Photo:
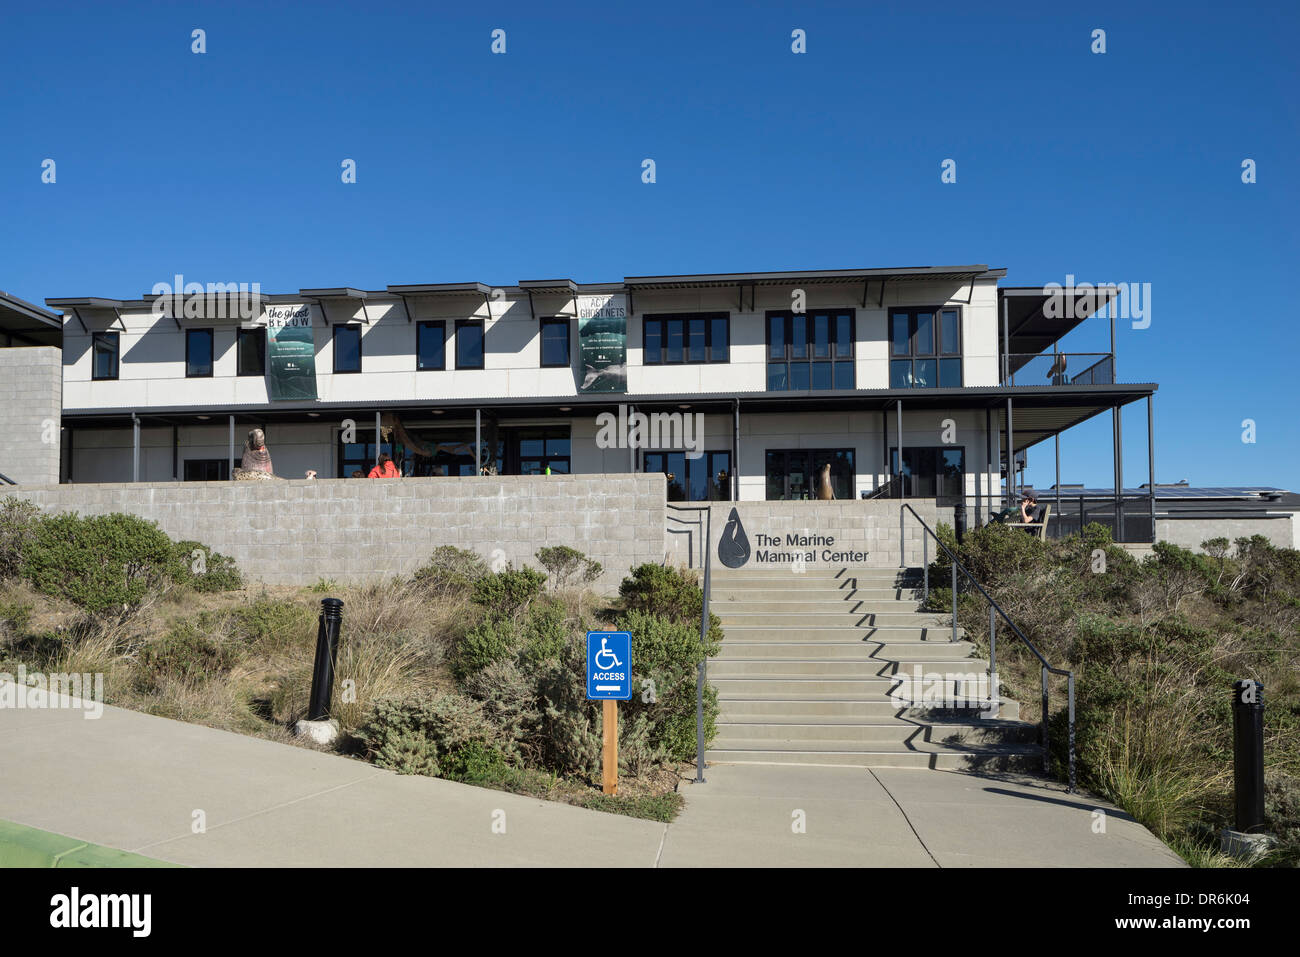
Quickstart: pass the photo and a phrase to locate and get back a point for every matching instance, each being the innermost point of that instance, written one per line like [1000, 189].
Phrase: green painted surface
[22, 846]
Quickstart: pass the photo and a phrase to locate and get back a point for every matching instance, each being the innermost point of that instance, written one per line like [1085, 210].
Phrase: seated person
[1031, 513]
[386, 468]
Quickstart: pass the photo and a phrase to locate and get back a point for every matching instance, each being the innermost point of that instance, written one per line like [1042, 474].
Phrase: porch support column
[478, 437]
[898, 411]
[135, 447]
[378, 438]
[884, 438]
[631, 446]
[1057, 437]
[175, 453]
[231, 472]
[1119, 472]
[1151, 468]
[1011, 454]
[735, 451]
[1006, 343]
[988, 461]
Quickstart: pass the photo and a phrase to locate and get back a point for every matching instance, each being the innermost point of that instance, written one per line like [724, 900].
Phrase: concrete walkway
[138, 783]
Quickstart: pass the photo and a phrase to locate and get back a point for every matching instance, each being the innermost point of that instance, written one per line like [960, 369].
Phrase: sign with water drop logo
[733, 546]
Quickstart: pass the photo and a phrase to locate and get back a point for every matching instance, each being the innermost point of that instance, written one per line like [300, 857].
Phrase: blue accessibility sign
[609, 666]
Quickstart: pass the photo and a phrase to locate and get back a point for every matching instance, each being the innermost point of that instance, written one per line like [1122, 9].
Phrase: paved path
[136, 782]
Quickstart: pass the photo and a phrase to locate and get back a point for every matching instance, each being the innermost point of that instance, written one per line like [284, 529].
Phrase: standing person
[256, 457]
[385, 468]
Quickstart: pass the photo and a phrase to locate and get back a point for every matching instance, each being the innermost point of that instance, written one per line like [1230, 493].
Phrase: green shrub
[998, 555]
[100, 562]
[475, 763]
[15, 616]
[417, 735]
[272, 625]
[510, 591]
[16, 520]
[451, 569]
[495, 638]
[565, 564]
[202, 569]
[653, 807]
[186, 653]
[671, 592]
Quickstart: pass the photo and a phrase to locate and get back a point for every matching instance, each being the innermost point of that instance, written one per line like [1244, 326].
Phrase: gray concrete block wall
[1190, 531]
[31, 408]
[353, 530]
[856, 525]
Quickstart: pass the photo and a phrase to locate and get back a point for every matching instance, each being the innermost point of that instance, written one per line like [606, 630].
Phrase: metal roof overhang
[814, 277]
[441, 289]
[29, 324]
[1030, 330]
[1039, 411]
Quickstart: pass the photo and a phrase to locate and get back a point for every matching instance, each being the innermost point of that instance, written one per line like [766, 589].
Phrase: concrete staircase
[840, 667]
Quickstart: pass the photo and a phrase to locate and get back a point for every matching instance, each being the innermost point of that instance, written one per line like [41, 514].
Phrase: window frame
[334, 347]
[430, 324]
[809, 357]
[212, 353]
[467, 323]
[222, 467]
[661, 319]
[937, 353]
[95, 338]
[553, 321]
[240, 336]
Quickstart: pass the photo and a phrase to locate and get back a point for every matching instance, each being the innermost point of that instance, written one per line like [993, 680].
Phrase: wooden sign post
[609, 753]
[609, 681]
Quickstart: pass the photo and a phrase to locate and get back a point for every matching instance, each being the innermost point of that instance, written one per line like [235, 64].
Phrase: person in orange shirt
[385, 468]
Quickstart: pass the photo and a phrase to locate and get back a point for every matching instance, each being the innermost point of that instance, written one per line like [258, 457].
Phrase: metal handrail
[994, 610]
[705, 524]
[6, 479]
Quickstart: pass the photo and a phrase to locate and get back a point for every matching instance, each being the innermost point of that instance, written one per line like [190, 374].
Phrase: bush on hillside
[568, 565]
[198, 567]
[421, 735]
[16, 520]
[451, 570]
[673, 593]
[100, 562]
[508, 592]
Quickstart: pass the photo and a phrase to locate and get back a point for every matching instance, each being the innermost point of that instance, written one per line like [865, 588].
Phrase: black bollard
[1248, 754]
[327, 654]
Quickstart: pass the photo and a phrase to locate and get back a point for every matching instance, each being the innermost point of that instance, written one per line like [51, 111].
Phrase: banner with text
[290, 352]
[602, 343]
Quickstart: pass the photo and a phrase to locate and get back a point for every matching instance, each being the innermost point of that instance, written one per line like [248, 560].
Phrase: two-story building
[914, 381]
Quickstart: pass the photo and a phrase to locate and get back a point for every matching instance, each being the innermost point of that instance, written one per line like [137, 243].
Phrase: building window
[938, 472]
[704, 479]
[360, 456]
[207, 470]
[251, 349]
[469, 343]
[347, 349]
[925, 348]
[104, 352]
[692, 338]
[555, 342]
[793, 473]
[812, 351]
[431, 345]
[198, 353]
[543, 449]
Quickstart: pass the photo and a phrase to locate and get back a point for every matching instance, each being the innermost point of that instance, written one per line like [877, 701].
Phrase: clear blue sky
[1120, 167]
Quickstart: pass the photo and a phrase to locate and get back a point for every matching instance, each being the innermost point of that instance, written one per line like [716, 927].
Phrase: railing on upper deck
[1061, 368]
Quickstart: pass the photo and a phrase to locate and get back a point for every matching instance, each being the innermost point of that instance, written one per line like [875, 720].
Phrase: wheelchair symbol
[607, 654]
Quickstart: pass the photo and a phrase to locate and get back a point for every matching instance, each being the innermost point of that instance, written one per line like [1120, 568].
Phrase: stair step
[789, 734]
[826, 710]
[941, 634]
[721, 669]
[858, 619]
[720, 573]
[844, 650]
[1022, 758]
[738, 593]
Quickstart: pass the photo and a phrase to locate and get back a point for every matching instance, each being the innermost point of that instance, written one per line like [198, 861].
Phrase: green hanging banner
[602, 343]
[290, 353]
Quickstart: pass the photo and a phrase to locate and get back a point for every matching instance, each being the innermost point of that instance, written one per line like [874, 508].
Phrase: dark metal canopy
[813, 276]
[28, 324]
[1030, 331]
